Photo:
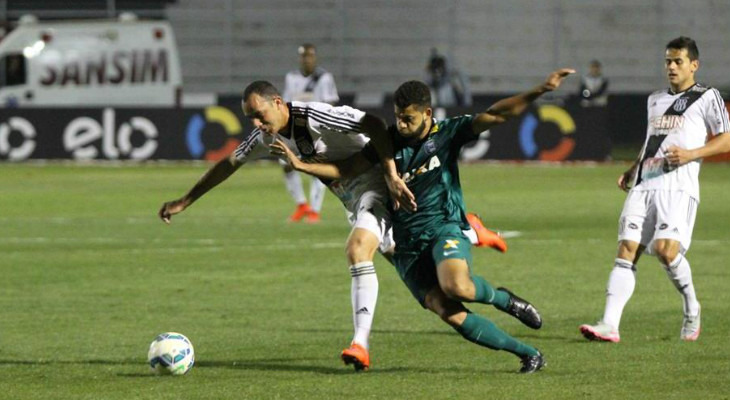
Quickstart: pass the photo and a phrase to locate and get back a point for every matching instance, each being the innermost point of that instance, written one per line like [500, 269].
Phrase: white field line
[294, 244]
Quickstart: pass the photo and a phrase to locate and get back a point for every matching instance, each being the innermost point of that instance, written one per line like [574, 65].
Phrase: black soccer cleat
[532, 364]
[522, 310]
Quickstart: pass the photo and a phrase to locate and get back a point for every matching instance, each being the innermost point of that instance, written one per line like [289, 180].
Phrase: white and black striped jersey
[685, 120]
[321, 132]
[318, 86]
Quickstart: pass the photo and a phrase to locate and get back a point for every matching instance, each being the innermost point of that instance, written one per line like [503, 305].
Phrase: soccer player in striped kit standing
[663, 188]
[308, 83]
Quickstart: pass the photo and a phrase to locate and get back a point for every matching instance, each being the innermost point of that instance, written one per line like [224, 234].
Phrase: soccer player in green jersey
[432, 255]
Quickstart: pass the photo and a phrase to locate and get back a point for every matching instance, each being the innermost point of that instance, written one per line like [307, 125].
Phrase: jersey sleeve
[342, 119]
[463, 130]
[252, 148]
[716, 115]
[329, 89]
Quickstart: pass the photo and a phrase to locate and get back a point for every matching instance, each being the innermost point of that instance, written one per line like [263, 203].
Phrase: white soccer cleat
[690, 327]
[600, 331]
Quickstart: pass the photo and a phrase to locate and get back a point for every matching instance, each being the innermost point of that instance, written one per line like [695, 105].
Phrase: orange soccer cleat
[301, 211]
[356, 355]
[486, 237]
[312, 217]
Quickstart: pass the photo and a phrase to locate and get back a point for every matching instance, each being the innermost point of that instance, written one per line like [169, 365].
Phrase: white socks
[294, 186]
[317, 190]
[364, 293]
[680, 274]
[621, 283]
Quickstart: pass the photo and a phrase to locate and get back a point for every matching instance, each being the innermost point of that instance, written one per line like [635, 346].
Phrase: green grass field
[90, 276]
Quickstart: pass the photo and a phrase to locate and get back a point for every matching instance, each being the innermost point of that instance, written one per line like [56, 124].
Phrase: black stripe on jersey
[328, 119]
[334, 126]
[334, 118]
[336, 123]
[722, 110]
[248, 144]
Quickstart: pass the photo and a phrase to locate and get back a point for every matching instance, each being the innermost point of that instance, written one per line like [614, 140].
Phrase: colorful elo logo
[194, 133]
[556, 115]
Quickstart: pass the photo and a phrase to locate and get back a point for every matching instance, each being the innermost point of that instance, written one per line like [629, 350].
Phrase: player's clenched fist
[171, 208]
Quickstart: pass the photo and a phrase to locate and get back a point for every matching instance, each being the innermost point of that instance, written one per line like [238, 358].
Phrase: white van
[90, 63]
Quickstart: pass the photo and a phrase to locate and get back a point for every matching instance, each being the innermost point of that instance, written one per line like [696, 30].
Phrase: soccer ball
[171, 353]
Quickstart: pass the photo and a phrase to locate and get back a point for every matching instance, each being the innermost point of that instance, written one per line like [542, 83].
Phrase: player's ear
[695, 64]
[428, 111]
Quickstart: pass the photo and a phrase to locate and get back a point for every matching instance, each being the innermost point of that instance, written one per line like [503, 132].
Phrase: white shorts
[371, 213]
[658, 214]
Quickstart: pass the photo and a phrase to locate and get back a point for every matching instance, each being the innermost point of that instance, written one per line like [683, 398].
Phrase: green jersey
[429, 168]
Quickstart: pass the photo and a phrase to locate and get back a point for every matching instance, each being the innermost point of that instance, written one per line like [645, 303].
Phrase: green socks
[486, 294]
[485, 333]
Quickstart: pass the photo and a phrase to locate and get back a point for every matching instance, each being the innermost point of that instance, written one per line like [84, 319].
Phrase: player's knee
[359, 251]
[665, 251]
[628, 250]
[459, 290]
[445, 309]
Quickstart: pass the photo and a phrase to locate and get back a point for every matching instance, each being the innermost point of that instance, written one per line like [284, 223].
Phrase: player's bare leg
[361, 247]
[480, 330]
[620, 287]
[679, 272]
[459, 284]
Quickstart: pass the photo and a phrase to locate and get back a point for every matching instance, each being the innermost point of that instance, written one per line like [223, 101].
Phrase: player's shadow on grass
[140, 363]
[72, 362]
[308, 365]
[446, 332]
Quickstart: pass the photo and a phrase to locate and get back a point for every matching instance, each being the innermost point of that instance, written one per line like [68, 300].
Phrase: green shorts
[416, 263]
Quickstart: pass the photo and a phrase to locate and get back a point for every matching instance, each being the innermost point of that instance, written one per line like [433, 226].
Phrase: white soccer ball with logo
[171, 353]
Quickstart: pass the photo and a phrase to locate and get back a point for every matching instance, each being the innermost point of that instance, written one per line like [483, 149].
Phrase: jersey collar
[669, 90]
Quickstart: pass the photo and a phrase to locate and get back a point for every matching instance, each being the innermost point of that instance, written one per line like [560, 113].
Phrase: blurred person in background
[593, 87]
[308, 83]
[449, 88]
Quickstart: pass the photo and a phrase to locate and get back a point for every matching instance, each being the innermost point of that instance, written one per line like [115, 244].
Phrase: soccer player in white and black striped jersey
[320, 131]
[663, 188]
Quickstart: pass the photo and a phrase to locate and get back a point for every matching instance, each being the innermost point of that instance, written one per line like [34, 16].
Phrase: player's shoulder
[292, 76]
[708, 92]
[454, 122]
[657, 94]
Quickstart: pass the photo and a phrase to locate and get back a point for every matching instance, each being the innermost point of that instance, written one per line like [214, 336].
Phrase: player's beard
[419, 132]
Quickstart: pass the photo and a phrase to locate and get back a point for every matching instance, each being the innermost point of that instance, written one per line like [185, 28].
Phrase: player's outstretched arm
[215, 175]
[677, 156]
[349, 167]
[513, 106]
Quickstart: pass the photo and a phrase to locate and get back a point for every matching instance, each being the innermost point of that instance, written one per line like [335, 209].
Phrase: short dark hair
[684, 42]
[262, 88]
[414, 93]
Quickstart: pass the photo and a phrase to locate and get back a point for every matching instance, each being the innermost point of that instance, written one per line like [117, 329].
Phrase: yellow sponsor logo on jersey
[451, 244]
[430, 165]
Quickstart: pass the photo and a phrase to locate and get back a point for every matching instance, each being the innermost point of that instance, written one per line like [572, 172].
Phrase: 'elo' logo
[82, 132]
[25, 129]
